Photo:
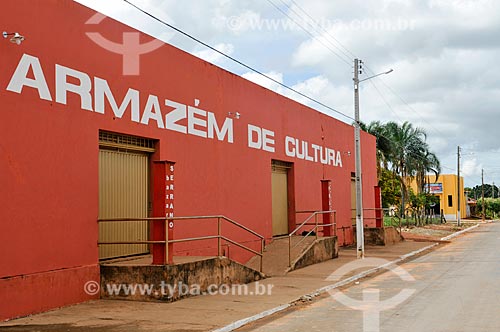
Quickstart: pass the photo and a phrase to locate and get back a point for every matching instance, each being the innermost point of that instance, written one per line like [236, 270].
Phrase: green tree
[403, 150]
[489, 190]
[384, 145]
[390, 188]
[419, 204]
[492, 206]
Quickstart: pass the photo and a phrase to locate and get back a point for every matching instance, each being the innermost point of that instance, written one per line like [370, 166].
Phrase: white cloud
[471, 167]
[318, 88]
[445, 61]
[215, 57]
[310, 53]
[265, 82]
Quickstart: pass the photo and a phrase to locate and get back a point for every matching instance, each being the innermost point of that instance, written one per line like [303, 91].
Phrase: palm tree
[428, 163]
[403, 150]
[384, 145]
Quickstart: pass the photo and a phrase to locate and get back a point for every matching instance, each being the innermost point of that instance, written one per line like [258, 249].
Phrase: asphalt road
[454, 289]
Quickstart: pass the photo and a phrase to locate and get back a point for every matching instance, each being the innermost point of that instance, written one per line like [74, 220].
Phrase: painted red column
[378, 207]
[326, 205]
[163, 206]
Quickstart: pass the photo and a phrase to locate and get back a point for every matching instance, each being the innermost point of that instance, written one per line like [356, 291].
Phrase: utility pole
[493, 196]
[482, 191]
[360, 241]
[360, 236]
[458, 186]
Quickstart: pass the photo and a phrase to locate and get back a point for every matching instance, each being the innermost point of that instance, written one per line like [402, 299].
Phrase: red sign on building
[163, 207]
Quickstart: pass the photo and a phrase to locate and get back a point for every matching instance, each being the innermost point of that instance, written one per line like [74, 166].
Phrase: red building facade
[60, 89]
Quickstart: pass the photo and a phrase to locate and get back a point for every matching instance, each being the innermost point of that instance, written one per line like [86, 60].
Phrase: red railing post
[335, 223]
[378, 208]
[219, 249]
[163, 207]
[316, 225]
[261, 254]
[326, 205]
[166, 243]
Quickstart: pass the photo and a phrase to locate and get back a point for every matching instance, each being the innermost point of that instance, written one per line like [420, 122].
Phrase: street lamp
[16, 37]
[360, 238]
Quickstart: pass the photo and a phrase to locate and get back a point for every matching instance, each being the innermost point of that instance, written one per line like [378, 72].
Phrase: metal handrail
[315, 228]
[185, 218]
[371, 209]
[168, 241]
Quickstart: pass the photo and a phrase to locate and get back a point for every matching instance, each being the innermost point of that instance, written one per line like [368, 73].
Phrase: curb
[242, 322]
[451, 236]
[369, 272]
[239, 323]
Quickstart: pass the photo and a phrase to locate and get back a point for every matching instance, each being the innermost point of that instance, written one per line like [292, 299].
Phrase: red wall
[49, 151]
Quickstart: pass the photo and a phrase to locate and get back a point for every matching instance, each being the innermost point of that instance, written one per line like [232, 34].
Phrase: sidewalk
[200, 313]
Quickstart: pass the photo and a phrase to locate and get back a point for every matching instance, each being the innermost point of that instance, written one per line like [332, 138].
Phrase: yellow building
[446, 189]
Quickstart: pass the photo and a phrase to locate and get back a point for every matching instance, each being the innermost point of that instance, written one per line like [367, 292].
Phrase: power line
[249, 67]
[454, 170]
[307, 31]
[352, 54]
[382, 97]
[324, 30]
[312, 19]
[347, 53]
[405, 102]
[385, 100]
[451, 169]
[237, 61]
[317, 38]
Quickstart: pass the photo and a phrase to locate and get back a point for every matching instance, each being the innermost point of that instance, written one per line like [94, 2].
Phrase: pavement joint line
[451, 236]
[242, 322]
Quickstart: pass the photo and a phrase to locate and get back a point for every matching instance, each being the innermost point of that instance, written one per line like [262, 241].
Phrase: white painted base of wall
[451, 217]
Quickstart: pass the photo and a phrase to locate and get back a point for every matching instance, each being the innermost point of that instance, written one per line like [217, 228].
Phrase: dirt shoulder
[433, 233]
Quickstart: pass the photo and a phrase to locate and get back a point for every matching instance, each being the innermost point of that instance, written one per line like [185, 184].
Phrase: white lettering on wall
[227, 128]
[20, 77]
[101, 90]
[174, 116]
[82, 89]
[193, 120]
[177, 114]
[152, 111]
[300, 149]
[199, 122]
[260, 138]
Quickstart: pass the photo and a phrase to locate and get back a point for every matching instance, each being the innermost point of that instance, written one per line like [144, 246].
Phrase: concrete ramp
[144, 282]
[308, 251]
[321, 250]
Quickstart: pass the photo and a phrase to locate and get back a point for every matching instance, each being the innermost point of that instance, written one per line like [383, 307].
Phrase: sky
[443, 53]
